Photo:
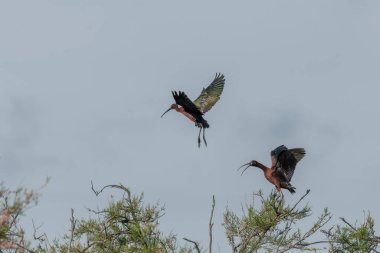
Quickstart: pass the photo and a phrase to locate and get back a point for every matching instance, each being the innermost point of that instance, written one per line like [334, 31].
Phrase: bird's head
[173, 106]
[251, 163]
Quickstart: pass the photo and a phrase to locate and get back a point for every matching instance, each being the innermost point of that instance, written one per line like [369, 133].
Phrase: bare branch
[323, 220]
[211, 224]
[42, 238]
[120, 186]
[39, 238]
[89, 245]
[295, 205]
[73, 222]
[195, 244]
[348, 224]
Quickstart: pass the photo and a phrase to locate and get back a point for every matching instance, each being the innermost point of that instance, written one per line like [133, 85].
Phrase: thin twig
[42, 238]
[307, 192]
[109, 186]
[195, 244]
[323, 220]
[39, 238]
[211, 224]
[352, 227]
[235, 248]
[73, 222]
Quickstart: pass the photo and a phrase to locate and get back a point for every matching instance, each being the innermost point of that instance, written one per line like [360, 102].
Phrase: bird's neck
[179, 109]
[261, 166]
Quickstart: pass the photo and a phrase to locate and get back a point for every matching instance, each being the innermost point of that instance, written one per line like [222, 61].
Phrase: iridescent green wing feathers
[211, 94]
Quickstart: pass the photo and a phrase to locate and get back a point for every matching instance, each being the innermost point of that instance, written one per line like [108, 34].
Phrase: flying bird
[196, 109]
[284, 163]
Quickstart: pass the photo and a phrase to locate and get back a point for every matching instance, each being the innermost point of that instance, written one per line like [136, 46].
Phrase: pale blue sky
[83, 85]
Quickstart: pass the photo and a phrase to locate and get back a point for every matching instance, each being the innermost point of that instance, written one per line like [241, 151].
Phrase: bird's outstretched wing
[275, 153]
[209, 96]
[189, 107]
[287, 161]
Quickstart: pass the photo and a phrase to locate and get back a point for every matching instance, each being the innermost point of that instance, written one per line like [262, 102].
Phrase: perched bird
[195, 110]
[284, 163]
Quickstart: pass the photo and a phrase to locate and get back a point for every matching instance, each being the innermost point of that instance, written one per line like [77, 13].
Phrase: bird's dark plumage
[182, 99]
[195, 110]
[277, 151]
[189, 107]
[286, 161]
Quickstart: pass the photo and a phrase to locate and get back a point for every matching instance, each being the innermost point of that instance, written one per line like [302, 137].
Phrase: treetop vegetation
[128, 224]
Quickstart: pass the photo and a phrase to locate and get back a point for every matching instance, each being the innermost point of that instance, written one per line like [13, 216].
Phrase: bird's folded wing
[209, 96]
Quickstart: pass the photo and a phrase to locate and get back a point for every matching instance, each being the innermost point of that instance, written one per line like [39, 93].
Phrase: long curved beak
[247, 164]
[166, 112]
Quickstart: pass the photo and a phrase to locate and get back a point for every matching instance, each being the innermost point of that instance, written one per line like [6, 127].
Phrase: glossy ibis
[284, 163]
[195, 110]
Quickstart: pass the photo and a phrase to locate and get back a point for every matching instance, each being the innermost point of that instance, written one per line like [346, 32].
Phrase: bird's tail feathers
[291, 189]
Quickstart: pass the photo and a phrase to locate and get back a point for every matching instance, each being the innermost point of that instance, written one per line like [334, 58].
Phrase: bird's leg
[204, 138]
[278, 189]
[278, 195]
[199, 137]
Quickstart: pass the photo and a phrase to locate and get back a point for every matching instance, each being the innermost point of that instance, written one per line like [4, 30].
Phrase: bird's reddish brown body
[194, 110]
[268, 174]
[284, 163]
[182, 110]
